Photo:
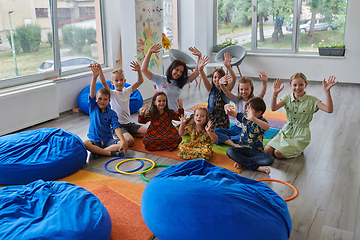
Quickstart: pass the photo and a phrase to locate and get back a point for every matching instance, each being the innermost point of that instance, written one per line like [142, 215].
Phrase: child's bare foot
[236, 165]
[263, 169]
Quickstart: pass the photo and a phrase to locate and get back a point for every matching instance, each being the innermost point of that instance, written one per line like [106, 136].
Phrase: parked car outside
[320, 25]
[289, 25]
[67, 63]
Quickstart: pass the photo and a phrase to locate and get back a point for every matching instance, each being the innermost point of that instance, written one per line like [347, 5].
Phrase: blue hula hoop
[141, 161]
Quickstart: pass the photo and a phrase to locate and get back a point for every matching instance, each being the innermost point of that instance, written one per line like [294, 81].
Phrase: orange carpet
[217, 159]
[121, 198]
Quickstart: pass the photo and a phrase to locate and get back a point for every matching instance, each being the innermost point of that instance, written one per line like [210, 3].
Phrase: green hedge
[30, 37]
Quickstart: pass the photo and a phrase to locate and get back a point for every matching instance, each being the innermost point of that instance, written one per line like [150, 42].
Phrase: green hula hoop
[145, 170]
[156, 166]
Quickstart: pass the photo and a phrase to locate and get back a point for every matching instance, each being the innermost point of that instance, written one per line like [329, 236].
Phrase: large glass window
[31, 50]
[170, 21]
[281, 25]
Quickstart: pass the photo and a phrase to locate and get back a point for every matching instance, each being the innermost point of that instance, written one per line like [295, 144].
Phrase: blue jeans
[250, 158]
[233, 133]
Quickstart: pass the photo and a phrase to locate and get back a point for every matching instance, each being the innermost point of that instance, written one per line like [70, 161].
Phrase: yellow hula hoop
[130, 159]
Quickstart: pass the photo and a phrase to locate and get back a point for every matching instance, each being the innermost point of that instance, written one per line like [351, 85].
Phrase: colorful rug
[217, 159]
[121, 198]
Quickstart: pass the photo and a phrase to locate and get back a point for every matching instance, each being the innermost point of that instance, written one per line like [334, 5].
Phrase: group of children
[207, 125]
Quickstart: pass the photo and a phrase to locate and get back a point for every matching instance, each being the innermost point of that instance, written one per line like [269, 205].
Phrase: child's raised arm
[277, 89]
[329, 103]
[263, 77]
[136, 68]
[182, 130]
[95, 72]
[224, 80]
[227, 63]
[211, 133]
[195, 52]
[251, 117]
[206, 82]
[102, 77]
[229, 110]
[144, 68]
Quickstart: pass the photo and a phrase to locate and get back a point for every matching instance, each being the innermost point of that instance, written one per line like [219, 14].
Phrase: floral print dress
[198, 146]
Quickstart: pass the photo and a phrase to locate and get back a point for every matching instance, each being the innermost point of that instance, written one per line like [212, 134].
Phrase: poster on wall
[148, 30]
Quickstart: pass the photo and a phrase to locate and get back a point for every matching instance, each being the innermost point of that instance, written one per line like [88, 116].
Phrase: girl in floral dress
[161, 134]
[202, 136]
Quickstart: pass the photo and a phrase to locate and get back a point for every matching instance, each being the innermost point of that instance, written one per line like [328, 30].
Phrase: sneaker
[93, 156]
[117, 154]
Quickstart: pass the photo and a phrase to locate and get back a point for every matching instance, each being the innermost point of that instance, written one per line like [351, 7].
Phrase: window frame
[20, 80]
[295, 31]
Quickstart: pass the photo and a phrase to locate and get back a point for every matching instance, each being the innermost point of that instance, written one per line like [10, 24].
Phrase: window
[41, 12]
[170, 21]
[77, 39]
[281, 25]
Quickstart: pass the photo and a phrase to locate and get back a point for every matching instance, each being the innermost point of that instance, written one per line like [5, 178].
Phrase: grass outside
[28, 63]
[232, 28]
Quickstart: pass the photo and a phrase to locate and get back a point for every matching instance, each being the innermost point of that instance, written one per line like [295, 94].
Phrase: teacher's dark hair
[180, 82]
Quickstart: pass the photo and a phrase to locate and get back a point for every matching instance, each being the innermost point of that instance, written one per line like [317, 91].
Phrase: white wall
[196, 23]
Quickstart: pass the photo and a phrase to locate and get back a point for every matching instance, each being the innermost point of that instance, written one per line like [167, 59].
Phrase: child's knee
[279, 155]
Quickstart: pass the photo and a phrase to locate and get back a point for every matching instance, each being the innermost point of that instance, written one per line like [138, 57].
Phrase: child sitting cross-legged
[202, 136]
[102, 118]
[161, 134]
[250, 151]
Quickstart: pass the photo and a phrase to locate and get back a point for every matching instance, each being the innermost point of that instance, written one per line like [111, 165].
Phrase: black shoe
[117, 154]
[93, 156]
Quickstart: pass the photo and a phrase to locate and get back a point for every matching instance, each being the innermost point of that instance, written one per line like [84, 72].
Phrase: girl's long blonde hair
[246, 80]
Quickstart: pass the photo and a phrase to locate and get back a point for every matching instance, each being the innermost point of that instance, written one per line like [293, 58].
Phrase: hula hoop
[142, 164]
[293, 188]
[126, 160]
[156, 166]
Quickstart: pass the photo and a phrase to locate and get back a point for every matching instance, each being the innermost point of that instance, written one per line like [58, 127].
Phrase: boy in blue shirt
[102, 118]
[250, 150]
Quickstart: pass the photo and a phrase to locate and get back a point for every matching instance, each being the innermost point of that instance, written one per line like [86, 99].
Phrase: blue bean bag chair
[52, 210]
[197, 200]
[48, 154]
[136, 99]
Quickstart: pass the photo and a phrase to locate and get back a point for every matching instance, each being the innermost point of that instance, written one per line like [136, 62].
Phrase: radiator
[27, 105]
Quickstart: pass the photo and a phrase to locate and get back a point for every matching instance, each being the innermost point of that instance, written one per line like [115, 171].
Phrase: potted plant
[331, 50]
[226, 43]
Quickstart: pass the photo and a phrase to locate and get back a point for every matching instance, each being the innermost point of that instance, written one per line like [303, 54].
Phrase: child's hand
[143, 109]
[195, 51]
[263, 76]
[208, 126]
[155, 48]
[123, 146]
[95, 69]
[183, 119]
[331, 82]
[250, 114]
[202, 62]
[229, 110]
[135, 66]
[180, 102]
[227, 60]
[225, 79]
[277, 86]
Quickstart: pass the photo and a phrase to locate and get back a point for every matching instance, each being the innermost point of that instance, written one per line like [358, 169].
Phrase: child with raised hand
[295, 135]
[120, 100]
[102, 118]
[202, 136]
[250, 152]
[175, 79]
[217, 98]
[245, 92]
[161, 134]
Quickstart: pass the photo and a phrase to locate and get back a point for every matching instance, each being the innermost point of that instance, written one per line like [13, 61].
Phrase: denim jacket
[213, 96]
